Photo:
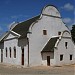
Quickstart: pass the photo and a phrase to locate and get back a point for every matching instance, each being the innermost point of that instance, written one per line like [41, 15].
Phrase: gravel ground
[40, 70]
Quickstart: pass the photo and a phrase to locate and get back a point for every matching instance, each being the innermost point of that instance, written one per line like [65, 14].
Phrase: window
[66, 44]
[59, 33]
[44, 32]
[61, 57]
[10, 51]
[6, 51]
[14, 52]
[70, 57]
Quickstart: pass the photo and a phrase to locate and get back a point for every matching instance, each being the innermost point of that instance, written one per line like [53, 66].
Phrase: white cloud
[14, 17]
[67, 20]
[10, 25]
[68, 7]
[19, 16]
[70, 27]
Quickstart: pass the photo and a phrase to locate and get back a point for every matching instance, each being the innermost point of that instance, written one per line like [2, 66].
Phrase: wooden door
[23, 56]
[48, 60]
[1, 55]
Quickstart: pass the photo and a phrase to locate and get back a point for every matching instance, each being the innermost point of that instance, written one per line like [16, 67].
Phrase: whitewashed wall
[12, 60]
[26, 56]
[61, 49]
[24, 44]
[44, 58]
[11, 41]
[37, 40]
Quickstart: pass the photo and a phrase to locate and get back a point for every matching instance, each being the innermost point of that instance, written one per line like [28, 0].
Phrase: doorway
[23, 56]
[1, 55]
[48, 60]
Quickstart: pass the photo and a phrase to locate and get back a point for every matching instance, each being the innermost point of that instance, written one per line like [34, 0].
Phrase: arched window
[10, 51]
[14, 52]
[6, 51]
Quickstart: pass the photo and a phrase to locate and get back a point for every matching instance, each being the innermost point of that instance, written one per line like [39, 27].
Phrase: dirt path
[40, 70]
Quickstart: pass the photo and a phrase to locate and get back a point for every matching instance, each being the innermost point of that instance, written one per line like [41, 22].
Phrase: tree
[73, 33]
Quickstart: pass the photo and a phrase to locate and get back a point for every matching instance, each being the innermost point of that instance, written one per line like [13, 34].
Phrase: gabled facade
[15, 47]
[42, 40]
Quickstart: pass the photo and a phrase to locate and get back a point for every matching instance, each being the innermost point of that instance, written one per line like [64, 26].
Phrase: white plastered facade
[51, 21]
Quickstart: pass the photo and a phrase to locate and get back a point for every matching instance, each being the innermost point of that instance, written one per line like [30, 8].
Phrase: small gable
[51, 10]
[66, 34]
[11, 35]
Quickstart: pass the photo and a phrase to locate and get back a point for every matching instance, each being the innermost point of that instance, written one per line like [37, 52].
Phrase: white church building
[42, 40]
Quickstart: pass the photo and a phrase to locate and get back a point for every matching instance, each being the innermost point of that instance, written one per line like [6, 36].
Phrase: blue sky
[20, 10]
